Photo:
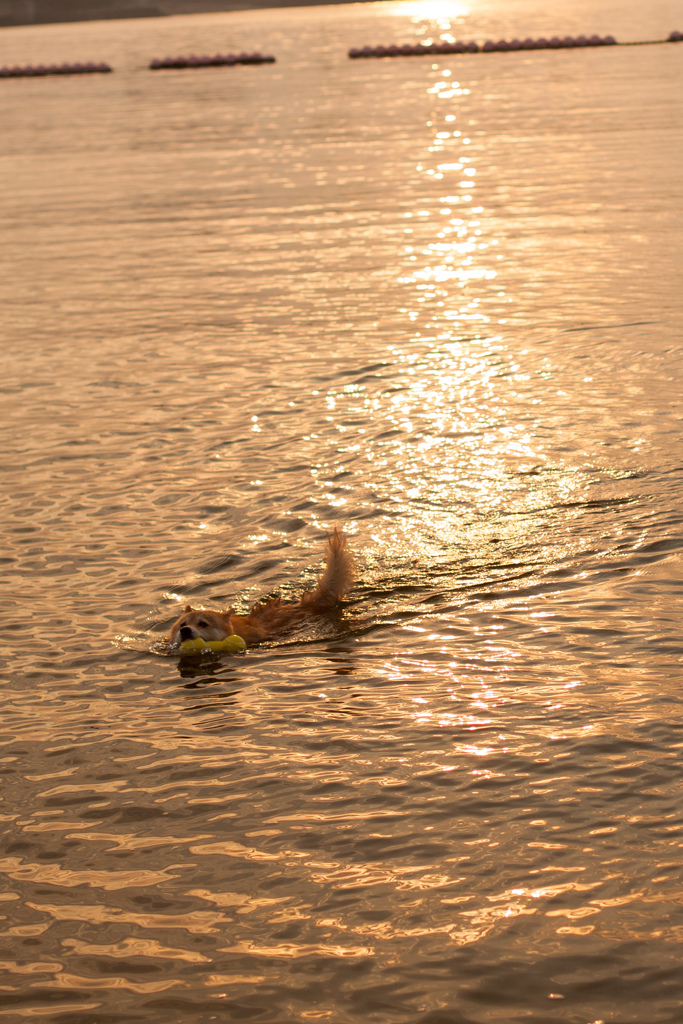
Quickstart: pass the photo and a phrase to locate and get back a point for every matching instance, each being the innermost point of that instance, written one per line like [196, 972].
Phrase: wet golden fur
[271, 617]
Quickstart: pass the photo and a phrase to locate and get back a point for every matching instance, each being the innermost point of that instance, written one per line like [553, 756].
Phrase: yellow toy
[231, 644]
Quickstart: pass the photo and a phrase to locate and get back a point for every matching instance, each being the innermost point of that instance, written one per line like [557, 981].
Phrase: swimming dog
[270, 617]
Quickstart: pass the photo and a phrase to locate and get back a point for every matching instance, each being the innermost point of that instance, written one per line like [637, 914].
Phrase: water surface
[431, 302]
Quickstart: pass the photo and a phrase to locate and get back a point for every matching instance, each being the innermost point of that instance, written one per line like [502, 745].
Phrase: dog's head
[206, 624]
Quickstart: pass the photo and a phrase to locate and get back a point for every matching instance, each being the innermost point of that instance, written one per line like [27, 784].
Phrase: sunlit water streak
[433, 302]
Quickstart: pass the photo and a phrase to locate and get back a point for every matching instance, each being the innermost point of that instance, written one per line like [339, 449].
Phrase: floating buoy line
[41, 70]
[501, 46]
[407, 50]
[217, 61]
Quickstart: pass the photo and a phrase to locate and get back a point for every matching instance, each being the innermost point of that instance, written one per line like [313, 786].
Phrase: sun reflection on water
[430, 10]
[437, 432]
[455, 252]
[454, 433]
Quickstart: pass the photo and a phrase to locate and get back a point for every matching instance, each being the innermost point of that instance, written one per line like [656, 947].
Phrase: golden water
[434, 303]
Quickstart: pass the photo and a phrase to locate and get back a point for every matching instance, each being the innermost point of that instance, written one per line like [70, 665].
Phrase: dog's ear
[188, 608]
[226, 619]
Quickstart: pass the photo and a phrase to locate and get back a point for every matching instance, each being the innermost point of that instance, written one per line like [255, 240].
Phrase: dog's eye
[202, 623]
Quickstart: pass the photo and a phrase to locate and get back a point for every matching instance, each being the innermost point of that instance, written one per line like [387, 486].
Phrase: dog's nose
[186, 633]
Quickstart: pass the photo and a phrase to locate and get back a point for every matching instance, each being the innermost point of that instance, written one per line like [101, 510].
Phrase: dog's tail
[337, 576]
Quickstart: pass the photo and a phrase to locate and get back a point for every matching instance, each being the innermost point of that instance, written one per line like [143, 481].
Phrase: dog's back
[273, 616]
